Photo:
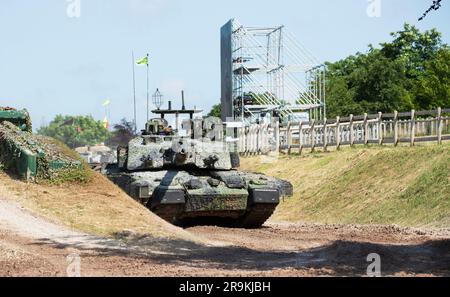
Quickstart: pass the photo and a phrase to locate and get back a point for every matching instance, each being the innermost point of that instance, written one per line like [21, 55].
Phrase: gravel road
[31, 245]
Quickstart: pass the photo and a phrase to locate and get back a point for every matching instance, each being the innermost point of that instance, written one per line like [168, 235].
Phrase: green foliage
[75, 131]
[433, 87]
[75, 169]
[122, 133]
[215, 111]
[411, 71]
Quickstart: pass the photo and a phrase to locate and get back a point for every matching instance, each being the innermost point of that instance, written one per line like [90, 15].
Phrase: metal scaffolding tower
[266, 71]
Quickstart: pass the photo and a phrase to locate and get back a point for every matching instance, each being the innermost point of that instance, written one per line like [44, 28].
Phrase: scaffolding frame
[271, 67]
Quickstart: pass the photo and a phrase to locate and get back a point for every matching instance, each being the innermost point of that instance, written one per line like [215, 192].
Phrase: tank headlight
[144, 192]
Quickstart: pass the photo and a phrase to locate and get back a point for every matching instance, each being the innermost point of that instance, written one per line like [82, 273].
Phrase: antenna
[183, 107]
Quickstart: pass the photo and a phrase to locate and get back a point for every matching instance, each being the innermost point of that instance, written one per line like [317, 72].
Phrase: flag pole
[147, 90]
[134, 92]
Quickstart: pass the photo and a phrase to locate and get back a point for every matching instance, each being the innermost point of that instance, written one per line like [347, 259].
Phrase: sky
[55, 59]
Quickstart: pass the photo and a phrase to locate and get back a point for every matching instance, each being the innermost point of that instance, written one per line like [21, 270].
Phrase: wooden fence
[393, 128]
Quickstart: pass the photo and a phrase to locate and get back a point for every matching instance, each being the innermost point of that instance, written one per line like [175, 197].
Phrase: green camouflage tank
[186, 180]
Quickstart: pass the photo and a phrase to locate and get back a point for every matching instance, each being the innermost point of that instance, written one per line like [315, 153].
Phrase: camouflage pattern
[182, 178]
[156, 152]
[20, 118]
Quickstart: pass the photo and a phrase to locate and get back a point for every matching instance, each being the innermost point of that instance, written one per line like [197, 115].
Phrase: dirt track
[278, 249]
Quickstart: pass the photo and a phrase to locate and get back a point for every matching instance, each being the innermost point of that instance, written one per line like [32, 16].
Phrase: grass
[96, 207]
[77, 170]
[366, 185]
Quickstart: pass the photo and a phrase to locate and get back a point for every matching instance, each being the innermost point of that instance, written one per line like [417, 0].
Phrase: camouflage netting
[20, 118]
[37, 157]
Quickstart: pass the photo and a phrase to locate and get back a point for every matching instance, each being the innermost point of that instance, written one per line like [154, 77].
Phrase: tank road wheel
[167, 203]
[168, 212]
[256, 216]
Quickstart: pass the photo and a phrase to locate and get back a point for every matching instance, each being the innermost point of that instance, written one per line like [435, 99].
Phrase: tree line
[410, 72]
[76, 131]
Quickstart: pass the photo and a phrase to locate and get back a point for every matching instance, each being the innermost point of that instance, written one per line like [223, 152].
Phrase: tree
[411, 71]
[433, 87]
[122, 133]
[76, 131]
[379, 84]
[215, 111]
[341, 100]
[413, 47]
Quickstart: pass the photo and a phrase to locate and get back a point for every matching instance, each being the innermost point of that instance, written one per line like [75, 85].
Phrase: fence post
[352, 138]
[313, 135]
[325, 135]
[300, 138]
[413, 127]
[289, 137]
[277, 136]
[239, 135]
[380, 127]
[255, 140]
[439, 125]
[366, 130]
[258, 139]
[395, 128]
[264, 130]
[249, 140]
[246, 140]
[338, 133]
[261, 138]
[244, 132]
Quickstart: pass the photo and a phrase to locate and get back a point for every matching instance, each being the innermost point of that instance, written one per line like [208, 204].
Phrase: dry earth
[31, 245]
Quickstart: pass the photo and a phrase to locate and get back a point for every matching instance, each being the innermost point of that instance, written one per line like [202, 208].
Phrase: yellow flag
[106, 123]
[143, 61]
[107, 102]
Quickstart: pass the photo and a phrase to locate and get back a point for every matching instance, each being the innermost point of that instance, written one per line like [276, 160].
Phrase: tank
[194, 180]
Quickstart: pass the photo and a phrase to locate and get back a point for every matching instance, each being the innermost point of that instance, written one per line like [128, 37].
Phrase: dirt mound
[97, 207]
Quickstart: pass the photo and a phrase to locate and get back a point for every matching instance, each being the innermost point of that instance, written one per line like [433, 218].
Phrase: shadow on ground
[338, 258]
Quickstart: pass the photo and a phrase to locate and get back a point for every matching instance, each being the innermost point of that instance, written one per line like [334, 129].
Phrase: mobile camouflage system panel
[20, 118]
[31, 156]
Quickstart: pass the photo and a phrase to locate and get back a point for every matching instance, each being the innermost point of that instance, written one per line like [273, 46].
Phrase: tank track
[168, 213]
[256, 216]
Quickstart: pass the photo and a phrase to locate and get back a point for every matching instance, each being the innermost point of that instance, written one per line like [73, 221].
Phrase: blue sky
[52, 64]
